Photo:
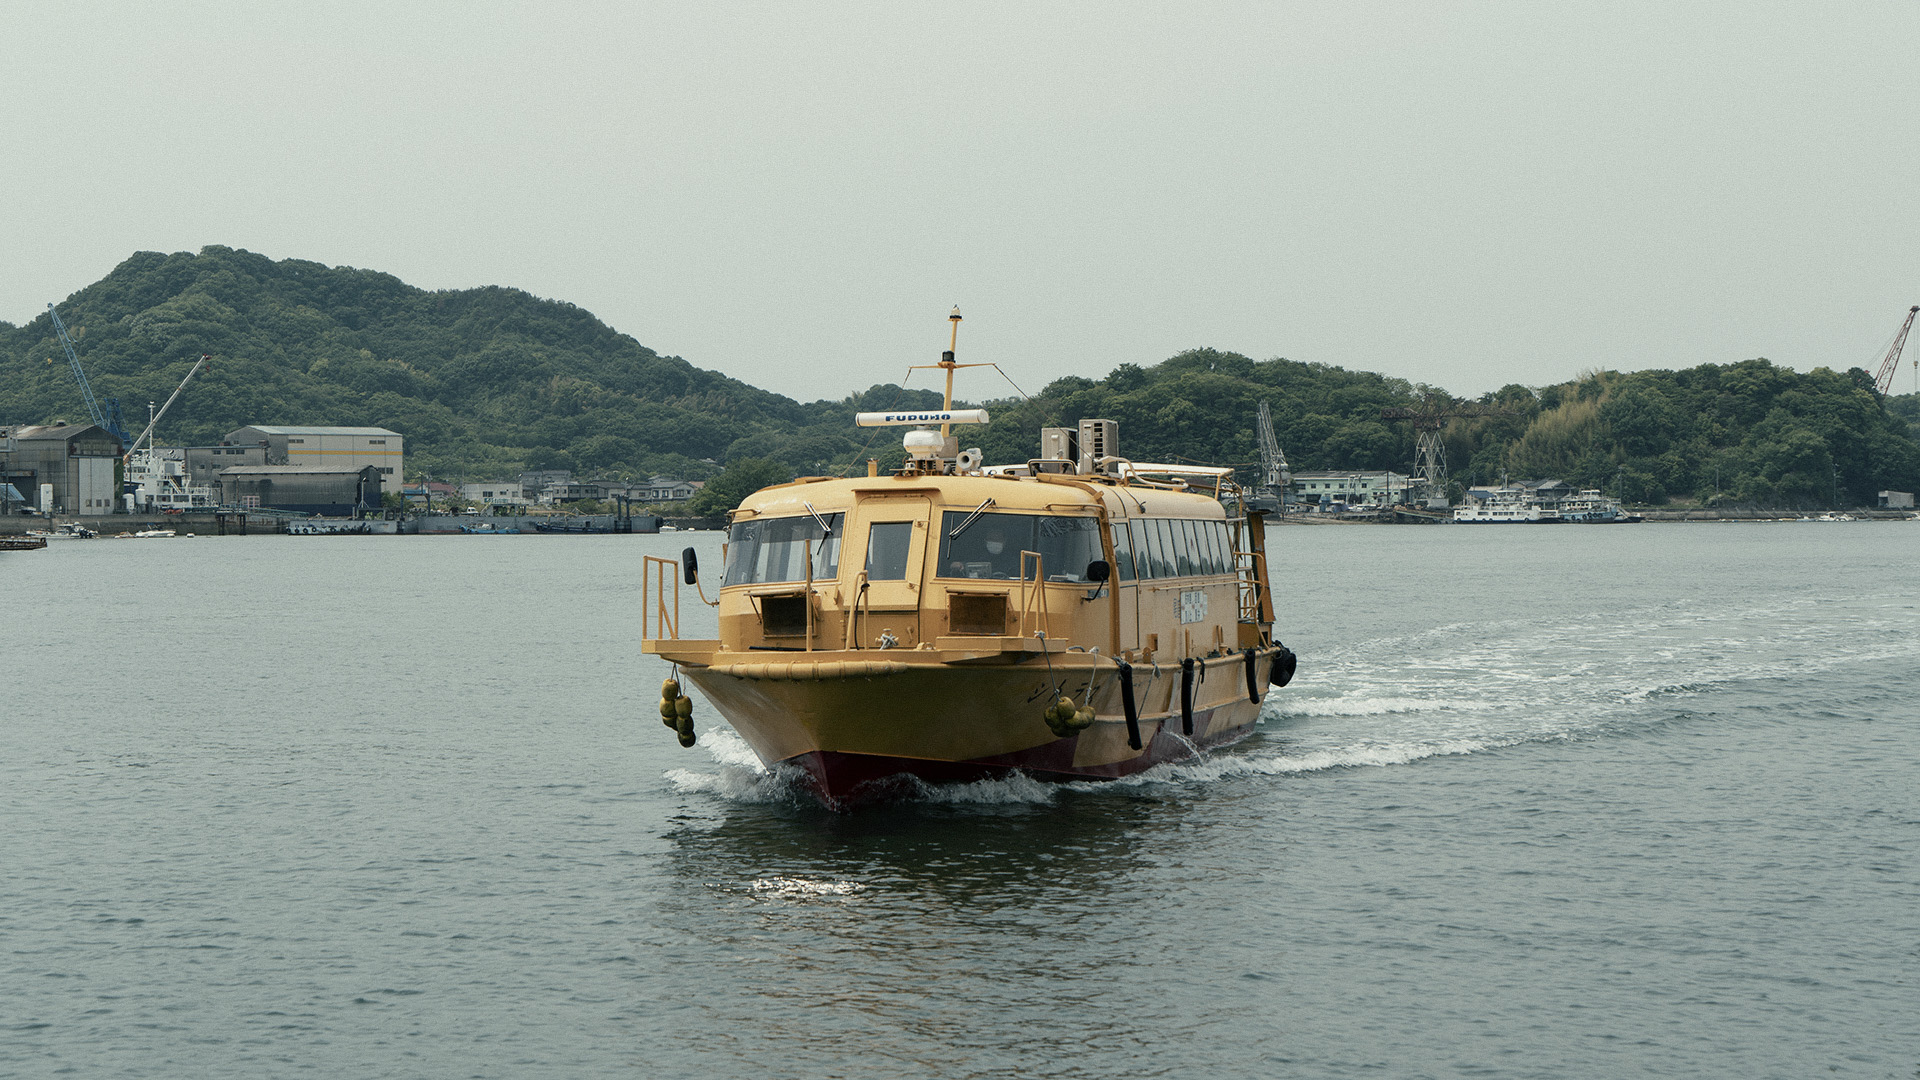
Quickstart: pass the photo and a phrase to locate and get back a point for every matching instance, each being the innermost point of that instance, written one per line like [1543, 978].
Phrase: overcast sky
[1465, 194]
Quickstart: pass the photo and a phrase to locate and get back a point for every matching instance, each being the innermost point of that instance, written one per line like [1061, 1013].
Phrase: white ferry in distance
[1506, 506]
[1545, 503]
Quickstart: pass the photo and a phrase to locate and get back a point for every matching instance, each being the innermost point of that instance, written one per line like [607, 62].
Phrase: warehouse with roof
[60, 468]
[349, 448]
[326, 490]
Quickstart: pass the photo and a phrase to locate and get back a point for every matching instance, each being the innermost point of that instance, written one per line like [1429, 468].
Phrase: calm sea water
[1570, 802]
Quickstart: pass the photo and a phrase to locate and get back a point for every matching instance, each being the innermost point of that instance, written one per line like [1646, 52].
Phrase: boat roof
[1064, 494]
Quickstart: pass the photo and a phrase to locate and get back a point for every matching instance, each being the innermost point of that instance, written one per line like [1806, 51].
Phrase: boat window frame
[826, 551]
[1073, 575]
[1163, 557]
[1122, 538]
[906, 549]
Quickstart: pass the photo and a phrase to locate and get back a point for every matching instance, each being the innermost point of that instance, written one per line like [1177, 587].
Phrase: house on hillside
[668, 489]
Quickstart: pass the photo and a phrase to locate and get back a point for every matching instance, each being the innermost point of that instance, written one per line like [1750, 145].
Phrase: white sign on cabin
[1193, 606]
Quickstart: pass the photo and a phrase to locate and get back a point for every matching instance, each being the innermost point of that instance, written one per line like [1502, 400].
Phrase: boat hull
[858, 735]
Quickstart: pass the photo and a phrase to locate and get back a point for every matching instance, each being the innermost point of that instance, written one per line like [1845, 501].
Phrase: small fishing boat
[68, 531]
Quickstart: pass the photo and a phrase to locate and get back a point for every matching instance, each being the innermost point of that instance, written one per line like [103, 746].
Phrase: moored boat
[342, 527]
[71, 530]
[1506, 506]
[1077, 616]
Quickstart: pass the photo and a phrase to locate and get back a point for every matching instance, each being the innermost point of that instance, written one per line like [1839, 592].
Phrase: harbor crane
[1429, 454]
[1274, 474]
[1883, 382]
[108, 418]
[146, 436]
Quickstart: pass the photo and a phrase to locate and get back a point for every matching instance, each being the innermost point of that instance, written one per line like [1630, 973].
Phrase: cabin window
[1209, 555]
[774, 549]
[1187, 535]
[1222, 555]
[1122, 551]
[1166, 555]
[1143, 543]
[887, 544]
[990, 545]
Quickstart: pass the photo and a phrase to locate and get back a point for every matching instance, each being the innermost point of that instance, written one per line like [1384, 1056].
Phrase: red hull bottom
[844, 781]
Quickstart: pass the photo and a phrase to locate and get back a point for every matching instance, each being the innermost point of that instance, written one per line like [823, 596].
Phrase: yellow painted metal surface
[817, 678]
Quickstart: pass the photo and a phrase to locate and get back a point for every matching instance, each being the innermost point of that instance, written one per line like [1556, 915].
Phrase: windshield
[774, 549]
[990, 547]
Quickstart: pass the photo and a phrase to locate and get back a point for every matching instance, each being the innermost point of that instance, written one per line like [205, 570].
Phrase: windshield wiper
[977, 511]
[826, 530]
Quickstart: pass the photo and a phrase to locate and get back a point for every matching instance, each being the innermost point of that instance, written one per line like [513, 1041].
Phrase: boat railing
[655, 614]
[1249, 567]
[861, 596]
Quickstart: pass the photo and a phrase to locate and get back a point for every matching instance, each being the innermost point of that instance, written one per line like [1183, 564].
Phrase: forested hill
[484, 382]
[1749, 433]
[481, 381]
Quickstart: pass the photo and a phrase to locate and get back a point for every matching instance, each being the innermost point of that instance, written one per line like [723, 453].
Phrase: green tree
[737, 481]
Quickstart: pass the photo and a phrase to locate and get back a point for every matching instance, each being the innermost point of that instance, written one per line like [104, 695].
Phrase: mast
[946, 362]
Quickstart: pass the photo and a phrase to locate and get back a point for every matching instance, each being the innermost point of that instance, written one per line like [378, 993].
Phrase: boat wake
[1455, 690]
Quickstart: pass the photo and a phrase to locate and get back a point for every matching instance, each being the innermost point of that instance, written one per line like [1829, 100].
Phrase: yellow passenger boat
[1075, 616]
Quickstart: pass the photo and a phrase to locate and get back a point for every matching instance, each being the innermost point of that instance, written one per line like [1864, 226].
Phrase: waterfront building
[1353, 488]
[61, 468]
[327, 490]
[430, 493]
[495, 493]
[204, 463]
[533, 484]
[337, 447]
[669, 489]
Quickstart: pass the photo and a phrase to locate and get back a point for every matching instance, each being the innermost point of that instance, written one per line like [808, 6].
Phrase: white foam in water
[741, 777]
[1015, 789]
[1460, 689]
[1376, 706]
[795, 888]
[727, 748]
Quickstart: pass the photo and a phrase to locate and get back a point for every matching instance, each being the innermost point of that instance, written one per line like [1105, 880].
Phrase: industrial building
[1353, 488]
[495, 493]
[204, 463]
[334, 447]
[326, 490]
[61, 469]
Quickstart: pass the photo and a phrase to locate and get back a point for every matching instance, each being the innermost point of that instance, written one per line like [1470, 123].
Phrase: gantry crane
[1883, 382]
[108, 418]
[1429, 454]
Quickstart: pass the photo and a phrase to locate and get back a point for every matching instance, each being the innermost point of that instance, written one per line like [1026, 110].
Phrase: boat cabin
[1137, 562]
